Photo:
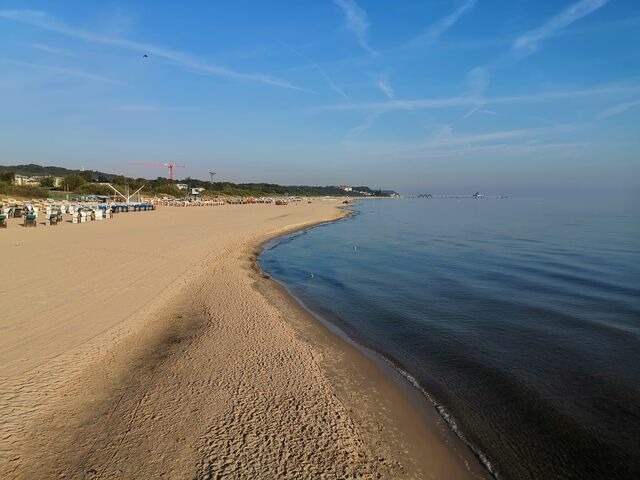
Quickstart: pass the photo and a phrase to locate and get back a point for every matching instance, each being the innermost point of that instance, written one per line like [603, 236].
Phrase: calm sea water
[520, 318]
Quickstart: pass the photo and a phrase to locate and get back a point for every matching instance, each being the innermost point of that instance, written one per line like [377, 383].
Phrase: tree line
[90, 182]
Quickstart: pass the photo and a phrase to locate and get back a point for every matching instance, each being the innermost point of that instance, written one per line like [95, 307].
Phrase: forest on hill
[90, 182]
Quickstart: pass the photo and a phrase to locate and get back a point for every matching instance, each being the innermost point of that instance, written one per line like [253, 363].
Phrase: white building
[35, 180]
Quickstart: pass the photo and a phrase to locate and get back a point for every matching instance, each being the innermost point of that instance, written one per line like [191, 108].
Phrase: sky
[500, 96]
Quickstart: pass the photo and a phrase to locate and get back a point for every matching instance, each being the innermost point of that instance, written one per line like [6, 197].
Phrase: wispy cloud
[445, 23]
[50, 49]
[444, 142]
[472, 101]
[421, 104]
[509, 149]
[449, 139]
[366, 124]
[331, 83]
[618, 109]
[529, 42]
[136, 108]
[68, 72]
[478, 81]
[43, 21]
[357, 22]
[479, 110]
[384, 86]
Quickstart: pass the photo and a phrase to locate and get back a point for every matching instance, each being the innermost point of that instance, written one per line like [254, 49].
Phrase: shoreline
[204, 380]
[417, 397]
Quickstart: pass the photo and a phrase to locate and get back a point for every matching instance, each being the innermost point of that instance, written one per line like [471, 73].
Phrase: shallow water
[520, 318]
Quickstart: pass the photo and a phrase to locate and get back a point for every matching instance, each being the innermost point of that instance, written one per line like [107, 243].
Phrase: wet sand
[150, 346]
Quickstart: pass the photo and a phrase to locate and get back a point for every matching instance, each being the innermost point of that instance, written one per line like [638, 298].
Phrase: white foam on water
[446, 416]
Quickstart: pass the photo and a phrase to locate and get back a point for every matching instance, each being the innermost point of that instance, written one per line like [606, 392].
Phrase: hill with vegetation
[90, 182]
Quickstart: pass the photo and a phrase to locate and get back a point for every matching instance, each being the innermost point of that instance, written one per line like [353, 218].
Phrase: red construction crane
[170, 166]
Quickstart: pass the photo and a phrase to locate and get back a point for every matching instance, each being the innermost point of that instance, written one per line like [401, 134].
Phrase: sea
[518, 318]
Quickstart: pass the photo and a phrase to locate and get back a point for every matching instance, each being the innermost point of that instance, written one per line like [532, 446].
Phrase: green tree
[119, 180]
[94, 189]
[8, 177]
[169, 189]
[47, 182]
[135, 184]
[72, 181]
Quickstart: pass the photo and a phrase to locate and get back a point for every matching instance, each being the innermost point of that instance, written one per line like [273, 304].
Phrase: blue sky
[415, 95]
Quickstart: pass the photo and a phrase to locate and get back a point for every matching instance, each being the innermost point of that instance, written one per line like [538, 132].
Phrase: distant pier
[476, 196]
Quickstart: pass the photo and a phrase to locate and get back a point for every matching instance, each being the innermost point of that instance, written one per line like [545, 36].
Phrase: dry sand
[150, 346]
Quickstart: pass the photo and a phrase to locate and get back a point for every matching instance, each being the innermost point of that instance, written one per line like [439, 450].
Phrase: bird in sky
[145, 56]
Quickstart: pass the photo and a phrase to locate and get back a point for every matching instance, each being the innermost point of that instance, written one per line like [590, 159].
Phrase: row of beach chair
[53, 213]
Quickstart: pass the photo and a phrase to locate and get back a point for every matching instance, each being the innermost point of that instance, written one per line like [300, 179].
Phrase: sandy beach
[151, 346]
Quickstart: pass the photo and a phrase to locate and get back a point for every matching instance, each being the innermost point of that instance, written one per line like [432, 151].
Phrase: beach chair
[30, 220]
[3, 221]
[17, 212]
[75, 217]
[52, 219]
